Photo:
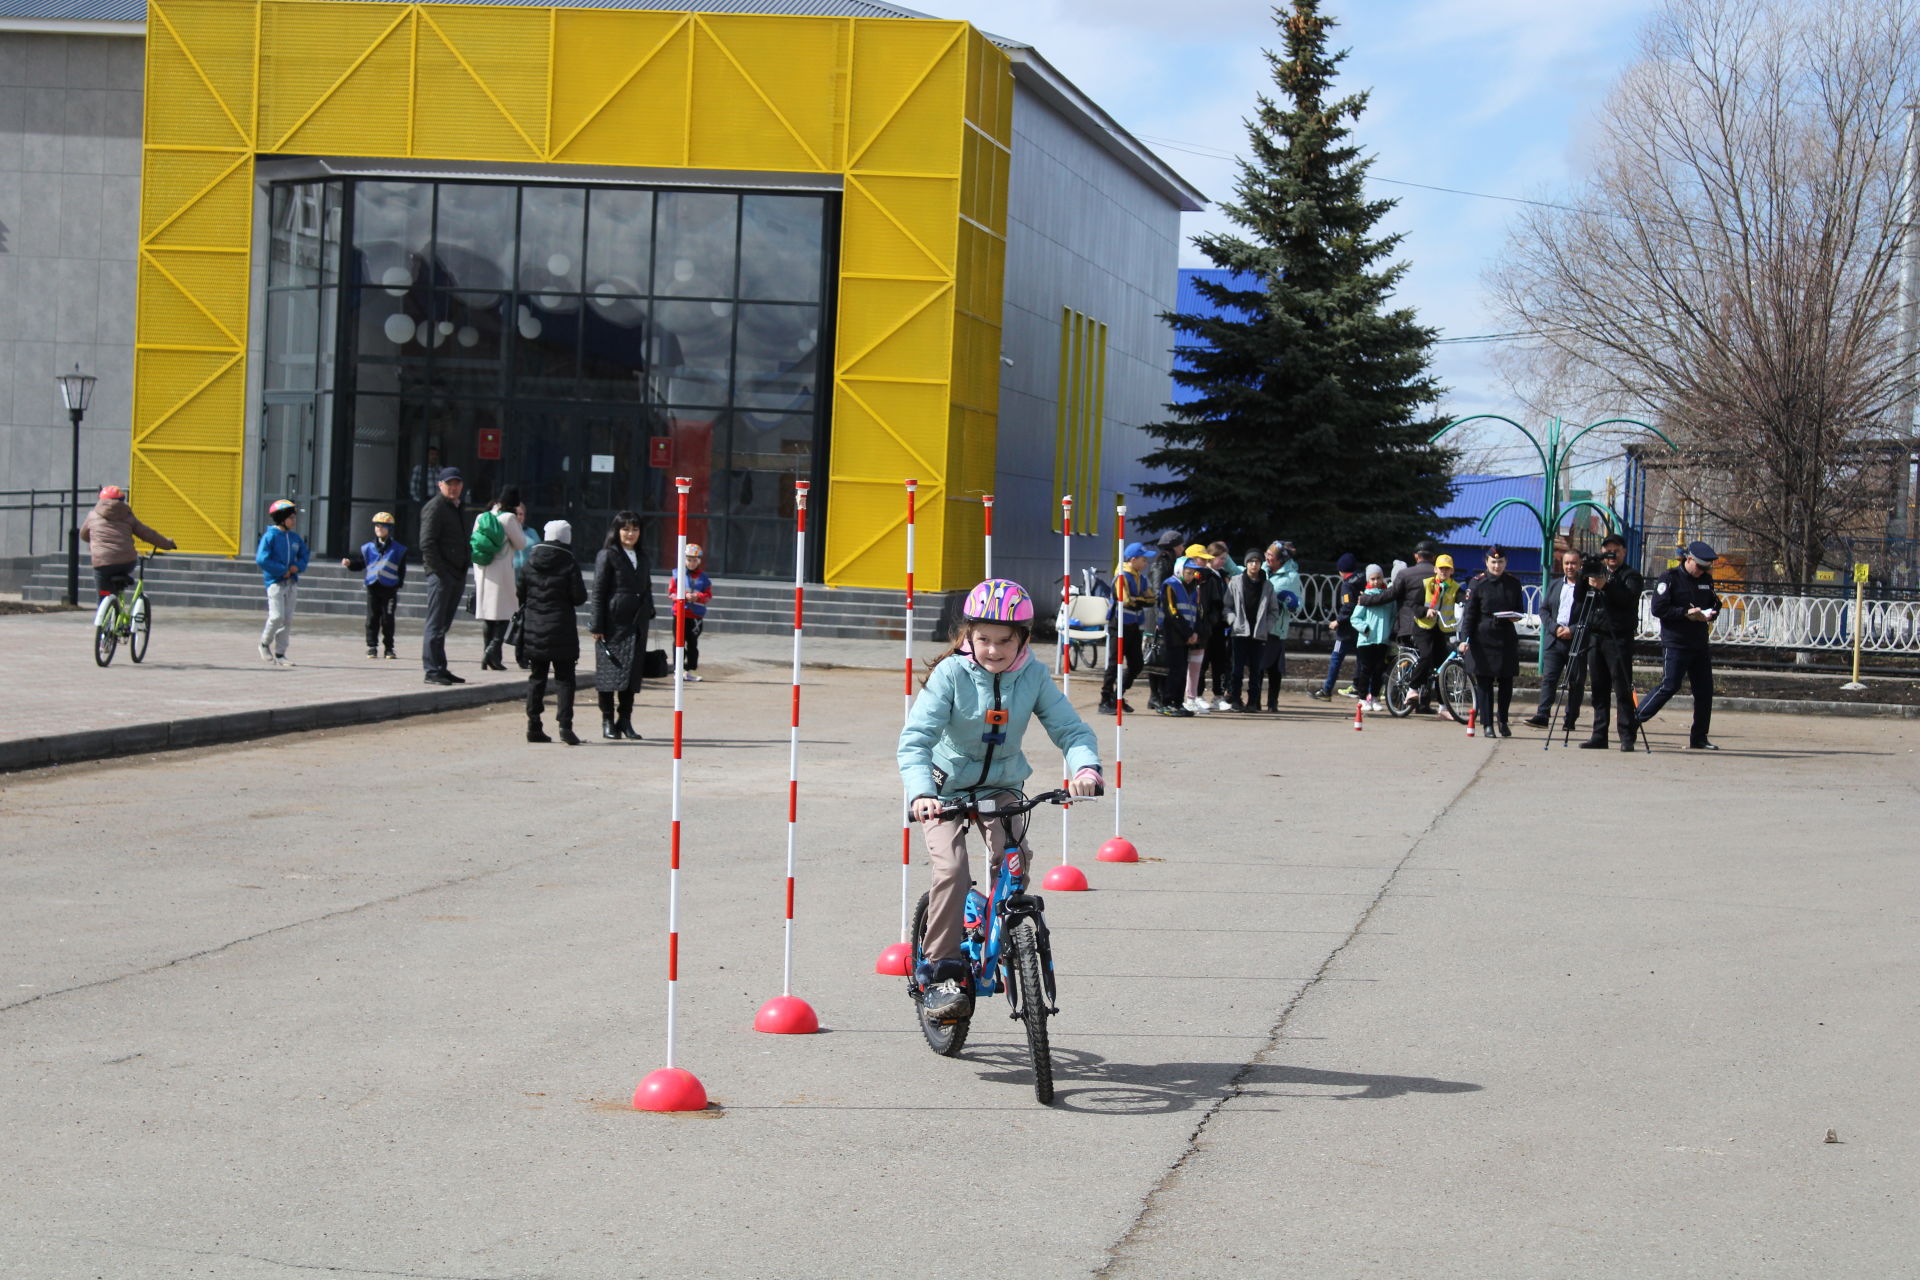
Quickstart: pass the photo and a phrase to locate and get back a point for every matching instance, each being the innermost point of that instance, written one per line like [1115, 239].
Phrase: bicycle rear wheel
[1400, 691]
[142, 629]
[1456, 689]
[106, 635]
[1023, 949]
[944, 1038]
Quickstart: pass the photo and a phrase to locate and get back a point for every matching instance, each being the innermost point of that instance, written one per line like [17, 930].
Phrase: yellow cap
[1444, 562]
[383, 517]
[1199, 552]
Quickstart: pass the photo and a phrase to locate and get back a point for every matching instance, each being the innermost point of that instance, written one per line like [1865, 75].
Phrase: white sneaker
[283, 662]
[266, 654]
[1368, 703]
[1199, 706]
[693, 677]
[1222, 705]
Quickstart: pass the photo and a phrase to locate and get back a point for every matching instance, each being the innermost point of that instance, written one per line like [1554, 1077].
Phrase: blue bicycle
[1006, 943]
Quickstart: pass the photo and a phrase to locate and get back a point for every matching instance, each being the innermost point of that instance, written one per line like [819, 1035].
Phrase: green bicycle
[127, 615]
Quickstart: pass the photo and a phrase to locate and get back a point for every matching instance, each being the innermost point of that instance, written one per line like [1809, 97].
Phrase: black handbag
[517, 629]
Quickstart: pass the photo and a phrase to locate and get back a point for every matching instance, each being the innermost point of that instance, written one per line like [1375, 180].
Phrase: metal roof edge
[1034, 71]
[73, 26]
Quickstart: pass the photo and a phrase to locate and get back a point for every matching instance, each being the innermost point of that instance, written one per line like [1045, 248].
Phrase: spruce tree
[1314, 398]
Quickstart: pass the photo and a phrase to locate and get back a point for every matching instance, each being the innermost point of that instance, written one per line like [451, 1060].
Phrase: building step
[741, 606]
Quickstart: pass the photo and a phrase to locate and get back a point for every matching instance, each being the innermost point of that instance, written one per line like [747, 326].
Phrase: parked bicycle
[1006, 943]
[1451, 680]
[127, 615]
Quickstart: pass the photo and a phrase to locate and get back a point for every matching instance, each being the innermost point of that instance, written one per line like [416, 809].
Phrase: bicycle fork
[1026, 906]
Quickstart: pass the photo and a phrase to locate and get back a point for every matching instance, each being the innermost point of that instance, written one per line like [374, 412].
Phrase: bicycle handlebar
[1013, 810]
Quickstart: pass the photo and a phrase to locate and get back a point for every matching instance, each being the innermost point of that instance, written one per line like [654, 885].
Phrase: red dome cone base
[786, 1016]
[1118, 849]
[894, 960]
[670, 1089]
[1065, 878]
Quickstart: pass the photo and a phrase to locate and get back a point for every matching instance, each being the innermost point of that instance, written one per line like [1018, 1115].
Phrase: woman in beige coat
[493, 586]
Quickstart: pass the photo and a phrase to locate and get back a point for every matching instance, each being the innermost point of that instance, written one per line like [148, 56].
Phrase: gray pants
[443, 597]
[952, 877]
[279, 628]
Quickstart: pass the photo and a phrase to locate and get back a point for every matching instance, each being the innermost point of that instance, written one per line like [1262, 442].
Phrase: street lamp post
[76, 392]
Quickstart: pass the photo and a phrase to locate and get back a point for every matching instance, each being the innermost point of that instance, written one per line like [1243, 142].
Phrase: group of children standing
[1224, 620]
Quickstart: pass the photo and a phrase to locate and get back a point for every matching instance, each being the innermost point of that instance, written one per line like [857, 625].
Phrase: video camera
[1592, 566]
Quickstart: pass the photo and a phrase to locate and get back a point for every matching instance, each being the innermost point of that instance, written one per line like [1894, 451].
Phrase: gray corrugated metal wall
[1082, 232]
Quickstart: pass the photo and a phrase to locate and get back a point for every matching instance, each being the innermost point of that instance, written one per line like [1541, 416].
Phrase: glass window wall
[585, 344]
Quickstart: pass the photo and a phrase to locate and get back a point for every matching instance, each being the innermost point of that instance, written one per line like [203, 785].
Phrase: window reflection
[545, 335]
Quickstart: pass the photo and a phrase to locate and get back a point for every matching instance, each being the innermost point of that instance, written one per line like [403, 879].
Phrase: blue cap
[1134, 550]
[1347, 563]
[1702, 552]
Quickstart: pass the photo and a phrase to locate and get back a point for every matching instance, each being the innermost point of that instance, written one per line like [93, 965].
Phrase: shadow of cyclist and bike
[1087, 1082]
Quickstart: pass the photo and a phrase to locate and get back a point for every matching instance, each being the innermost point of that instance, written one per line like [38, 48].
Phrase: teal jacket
[947, 728]
[1286, 589]
[1373, 617]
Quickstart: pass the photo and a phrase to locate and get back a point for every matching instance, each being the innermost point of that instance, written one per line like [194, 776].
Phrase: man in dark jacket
[1408, 590]
[447, 556]
[550, 591]
[1561, 609]
[1346, 596]
[1685, 603]
[1610, 631]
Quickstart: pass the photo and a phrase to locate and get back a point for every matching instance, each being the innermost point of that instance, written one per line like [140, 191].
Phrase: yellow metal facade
[915, 116]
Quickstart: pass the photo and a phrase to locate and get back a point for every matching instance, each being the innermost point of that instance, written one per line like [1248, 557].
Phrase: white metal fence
[1757, 619]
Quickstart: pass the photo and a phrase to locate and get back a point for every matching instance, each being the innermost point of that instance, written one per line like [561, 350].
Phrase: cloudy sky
[1491, 96]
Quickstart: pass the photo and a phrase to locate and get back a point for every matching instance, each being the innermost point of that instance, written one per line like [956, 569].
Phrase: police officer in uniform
[1685, 603]
[1489, 640]
[1609, 644]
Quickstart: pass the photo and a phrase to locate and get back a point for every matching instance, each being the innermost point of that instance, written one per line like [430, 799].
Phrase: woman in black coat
[622, 607]
[1490, 642]
[550, 589]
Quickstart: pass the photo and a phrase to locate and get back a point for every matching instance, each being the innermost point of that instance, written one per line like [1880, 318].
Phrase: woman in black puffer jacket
[551, 588]
[622, 607]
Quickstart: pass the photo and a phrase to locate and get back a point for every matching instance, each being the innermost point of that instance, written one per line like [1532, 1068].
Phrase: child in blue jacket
[699, 596]
[384, 562]
[963, 736]
[282, 557]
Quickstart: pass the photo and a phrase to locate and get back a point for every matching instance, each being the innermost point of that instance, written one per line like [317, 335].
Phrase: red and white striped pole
[1118, 849]
[672, 1088]
[1065, 878]
[986, 503]
[898, 957]
[786, 1013]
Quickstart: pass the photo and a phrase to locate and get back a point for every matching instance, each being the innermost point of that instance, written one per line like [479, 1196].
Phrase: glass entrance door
[581, 463]
[290, 464]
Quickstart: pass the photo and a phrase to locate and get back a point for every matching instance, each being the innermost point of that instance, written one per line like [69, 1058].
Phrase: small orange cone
[1358, 717]
[1471, 713]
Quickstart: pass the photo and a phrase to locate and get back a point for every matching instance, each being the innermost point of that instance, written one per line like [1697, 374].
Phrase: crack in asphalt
[1151, 1203]
[282, 928]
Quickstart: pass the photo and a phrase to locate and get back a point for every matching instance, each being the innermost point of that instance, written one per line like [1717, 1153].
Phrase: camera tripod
[1579, 646]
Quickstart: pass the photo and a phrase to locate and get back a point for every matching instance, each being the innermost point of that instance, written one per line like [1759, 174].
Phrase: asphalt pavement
[1392, 1003]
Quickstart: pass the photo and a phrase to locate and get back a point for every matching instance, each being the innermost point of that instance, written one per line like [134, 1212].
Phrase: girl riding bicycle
[963, 736]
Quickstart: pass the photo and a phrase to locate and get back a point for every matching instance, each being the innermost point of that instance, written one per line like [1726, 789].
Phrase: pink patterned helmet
[1001, 601]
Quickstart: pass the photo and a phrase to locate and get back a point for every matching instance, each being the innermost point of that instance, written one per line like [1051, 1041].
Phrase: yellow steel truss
[915, 116]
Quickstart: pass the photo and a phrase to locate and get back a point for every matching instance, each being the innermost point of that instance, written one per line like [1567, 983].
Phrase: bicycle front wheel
[1023, 948]
[944, 1038]
[1400, 690]
[1456, 689]
[106, 637]
[142, 630]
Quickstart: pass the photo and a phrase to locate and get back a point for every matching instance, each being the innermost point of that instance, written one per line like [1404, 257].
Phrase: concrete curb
[240, 726]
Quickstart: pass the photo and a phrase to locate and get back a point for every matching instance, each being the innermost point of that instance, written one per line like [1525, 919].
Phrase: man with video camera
[1608, 661]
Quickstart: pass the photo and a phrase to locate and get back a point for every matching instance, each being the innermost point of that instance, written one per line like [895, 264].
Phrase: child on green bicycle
[963, 735]
[109, 531]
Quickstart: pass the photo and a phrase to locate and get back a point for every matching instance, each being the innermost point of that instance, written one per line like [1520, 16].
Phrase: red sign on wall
[660, 451]
[488, 446]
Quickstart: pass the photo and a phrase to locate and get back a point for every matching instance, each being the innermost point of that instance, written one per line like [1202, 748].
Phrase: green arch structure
[1554, 451]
